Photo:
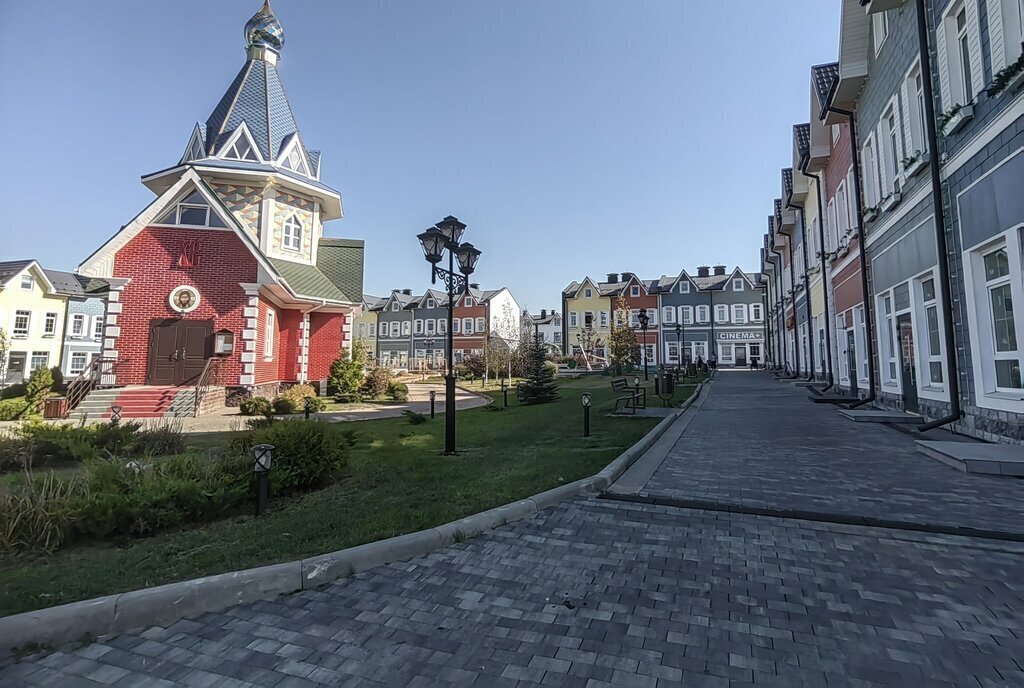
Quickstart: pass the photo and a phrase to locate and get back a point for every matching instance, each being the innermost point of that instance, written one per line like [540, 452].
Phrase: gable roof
[825, 77]
[802, 135]
[70, 284]
[10, 268]
[341, 262]
[787, 183]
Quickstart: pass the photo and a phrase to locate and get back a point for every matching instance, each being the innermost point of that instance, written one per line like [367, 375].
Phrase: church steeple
[264, 35]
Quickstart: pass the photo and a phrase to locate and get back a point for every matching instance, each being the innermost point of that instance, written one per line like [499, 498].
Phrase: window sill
[1006, 396]
[958, 121]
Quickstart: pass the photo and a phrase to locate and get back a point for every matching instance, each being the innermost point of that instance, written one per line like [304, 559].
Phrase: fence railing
[206, 380]
[99, 373]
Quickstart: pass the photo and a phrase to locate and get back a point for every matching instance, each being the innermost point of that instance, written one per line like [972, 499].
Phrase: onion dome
[264, 30]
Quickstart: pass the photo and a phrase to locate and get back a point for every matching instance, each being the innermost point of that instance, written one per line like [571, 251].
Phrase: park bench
[634, 397]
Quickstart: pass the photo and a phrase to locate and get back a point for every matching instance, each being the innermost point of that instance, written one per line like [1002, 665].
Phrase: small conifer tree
[538, 385]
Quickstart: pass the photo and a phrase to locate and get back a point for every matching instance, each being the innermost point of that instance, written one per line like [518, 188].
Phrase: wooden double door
[178, 350]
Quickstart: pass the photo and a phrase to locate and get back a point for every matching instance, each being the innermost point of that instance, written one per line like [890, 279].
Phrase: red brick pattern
[150, 260]
[325, 339]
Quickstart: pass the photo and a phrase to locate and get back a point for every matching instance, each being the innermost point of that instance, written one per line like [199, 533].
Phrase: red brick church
[229, 261]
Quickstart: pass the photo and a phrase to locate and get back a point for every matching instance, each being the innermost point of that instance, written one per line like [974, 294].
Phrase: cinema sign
[738, 336]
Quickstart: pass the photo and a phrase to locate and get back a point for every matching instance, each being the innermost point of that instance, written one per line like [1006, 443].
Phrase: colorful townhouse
[717, 315]
[429, 331]
[364, 326]
[547, 325]
[33, 316]
[85, 320]
[394, 330]
[227, 274]
[920, 153]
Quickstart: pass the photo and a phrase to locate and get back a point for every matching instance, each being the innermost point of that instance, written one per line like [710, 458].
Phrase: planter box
[959, 120]
[870, 215]
[1014, 83]
[892, 201]
[914, 168]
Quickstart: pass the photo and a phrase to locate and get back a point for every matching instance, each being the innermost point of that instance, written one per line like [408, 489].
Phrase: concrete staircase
[138, 402]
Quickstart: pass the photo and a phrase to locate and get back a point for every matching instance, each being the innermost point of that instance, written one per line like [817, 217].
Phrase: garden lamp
[262, 455]
[585, 399]
[308, 406]
[115, 414]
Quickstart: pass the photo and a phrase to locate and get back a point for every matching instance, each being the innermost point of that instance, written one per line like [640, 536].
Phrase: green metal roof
[307, 280]
[341, 261]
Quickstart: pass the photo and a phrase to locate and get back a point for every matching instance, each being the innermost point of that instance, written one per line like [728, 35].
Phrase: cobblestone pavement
[758, 442]
[597, 593]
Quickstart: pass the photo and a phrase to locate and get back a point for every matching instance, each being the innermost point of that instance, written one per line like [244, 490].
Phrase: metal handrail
[89, 379]
[203, 383]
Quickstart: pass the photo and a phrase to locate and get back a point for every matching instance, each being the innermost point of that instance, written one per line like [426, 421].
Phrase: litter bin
[54, 407]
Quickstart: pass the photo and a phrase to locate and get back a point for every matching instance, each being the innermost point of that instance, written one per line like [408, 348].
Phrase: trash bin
[54, 407]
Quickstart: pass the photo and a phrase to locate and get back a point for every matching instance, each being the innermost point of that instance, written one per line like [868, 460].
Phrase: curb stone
[164, 604]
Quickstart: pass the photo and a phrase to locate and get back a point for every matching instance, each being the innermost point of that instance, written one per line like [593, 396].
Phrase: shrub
[298, 395]
[284, 406]
[37, 516]
[114, 437]
[255, 406]
[159, 439]
[306, 454]
[39, 383]
[377, 382]
[14, 453]
[414, 418]
[12, 409]
[346, 374]
[53, 443]
[58, 379]
[399, 391]
[11, 391]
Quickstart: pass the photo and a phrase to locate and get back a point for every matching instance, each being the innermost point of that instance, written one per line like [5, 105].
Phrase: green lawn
[397, 482]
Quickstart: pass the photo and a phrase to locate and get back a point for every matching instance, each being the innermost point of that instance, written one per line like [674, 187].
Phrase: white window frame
[739, 313]
[756, 312]
[893, 131]
[922, 335]
[21, 331]
[634, 290]
[468, 302]
[602, 319]
[97, 326]
[372, 329]
[291, 233]
[481, 325]
[686, 314]
[888, 342]
[395, 329]
[721, 313]
[684, 287]
[431, 303]
[872, 175]
[78, 325]
[418, 326]
[81, 358]
[269, 334]
[574, 319]
[916, 129]
[588, 293]
[442, 326]
[703, 314]
[395, 307]
[34, 356]
[467, 326]
[879, 29]
[457, 326]
[737, 284]
[1006, 31]
[28, 282]
[955, 88]
[668, 315]
[406, 328]
[860, 335]
[430, 327]
[50, 324]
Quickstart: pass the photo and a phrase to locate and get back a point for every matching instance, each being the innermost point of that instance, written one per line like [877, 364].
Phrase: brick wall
[284, 364]
[325, 338]
[150, 260]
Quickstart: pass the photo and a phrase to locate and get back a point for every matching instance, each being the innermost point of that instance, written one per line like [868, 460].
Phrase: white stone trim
[114, 307]
[246, 380]
[113, 331]
[248, 334]
[248, 357]
[250, 312]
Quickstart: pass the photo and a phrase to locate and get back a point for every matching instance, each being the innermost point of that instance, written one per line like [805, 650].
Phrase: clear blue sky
[574, 137]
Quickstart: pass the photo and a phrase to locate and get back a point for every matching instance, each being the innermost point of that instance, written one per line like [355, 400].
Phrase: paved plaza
[597, 592]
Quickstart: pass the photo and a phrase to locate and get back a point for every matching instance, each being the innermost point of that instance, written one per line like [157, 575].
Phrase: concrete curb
[120, 613]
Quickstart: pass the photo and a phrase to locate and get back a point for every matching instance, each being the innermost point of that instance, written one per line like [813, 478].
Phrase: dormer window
[28, 282]
[192, 212]
[196, 152]
[292, 239]
[684, 287]
[634, 291]
[431, 303]
[242, 150]
[468, 302]
[737, 285]
[295, 163]
[394, 307]
[588, 293]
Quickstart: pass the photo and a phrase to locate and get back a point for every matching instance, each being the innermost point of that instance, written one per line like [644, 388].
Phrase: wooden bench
[633, 398]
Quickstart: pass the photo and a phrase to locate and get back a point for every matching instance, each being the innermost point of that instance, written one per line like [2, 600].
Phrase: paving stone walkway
[759, 442]
[597, 593]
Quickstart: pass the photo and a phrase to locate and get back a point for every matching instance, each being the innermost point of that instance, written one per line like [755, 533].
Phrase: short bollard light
[586, 414]
[115, 414]
[433, 398]
[504, 390]
[308, 406]
[262, 456]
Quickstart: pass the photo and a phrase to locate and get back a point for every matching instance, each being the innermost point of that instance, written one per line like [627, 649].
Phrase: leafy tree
[347, 372]
[539, 386]
[623, 349]
[4, 348]
[39, 384]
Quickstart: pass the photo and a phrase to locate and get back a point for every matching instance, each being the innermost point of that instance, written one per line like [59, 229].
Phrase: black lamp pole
[679, 346]
[444, 237]
[643, 328]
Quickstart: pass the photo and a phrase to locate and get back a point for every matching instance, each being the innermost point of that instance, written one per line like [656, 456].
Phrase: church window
[241, 149]
[193, 212]
[293, 234]
[294, 161]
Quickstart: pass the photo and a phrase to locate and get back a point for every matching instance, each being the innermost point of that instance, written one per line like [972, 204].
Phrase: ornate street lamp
[643, 328]
[679, 346]
[445, 237]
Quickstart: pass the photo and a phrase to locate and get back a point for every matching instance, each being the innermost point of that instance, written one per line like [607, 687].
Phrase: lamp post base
[449, 414]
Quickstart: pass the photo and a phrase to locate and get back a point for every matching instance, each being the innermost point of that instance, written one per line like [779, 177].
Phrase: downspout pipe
[781, 342]
[807, 294]
[767, 330]
[955, 412]
[796, 330]
[824, 282]
[869, 330]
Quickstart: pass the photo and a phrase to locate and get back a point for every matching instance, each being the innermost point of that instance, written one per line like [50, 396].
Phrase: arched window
[292, 239]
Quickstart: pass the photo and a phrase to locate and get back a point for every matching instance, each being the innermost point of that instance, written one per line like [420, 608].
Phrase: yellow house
[364, 325]
[586, 317]
[33, 316]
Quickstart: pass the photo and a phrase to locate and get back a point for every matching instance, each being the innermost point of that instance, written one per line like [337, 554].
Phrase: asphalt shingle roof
[824, 76]
[802, 134]
[70, 284]
[341, 261]
[778, 212]
[307, 280]
[787, 182]
[10, 268]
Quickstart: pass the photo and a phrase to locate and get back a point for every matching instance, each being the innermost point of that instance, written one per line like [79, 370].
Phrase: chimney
[626, 276]
[407, 292]
[613, 277]
[474, 285]
[543, 312]
[719, 271]
[703, 271]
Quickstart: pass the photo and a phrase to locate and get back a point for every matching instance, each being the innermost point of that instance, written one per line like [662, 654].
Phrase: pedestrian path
[599, 593]
[758, 443]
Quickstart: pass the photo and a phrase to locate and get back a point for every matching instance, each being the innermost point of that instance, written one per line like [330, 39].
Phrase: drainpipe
[807, 294]
[869, 336]
[796, 331]
[781, 339]
[767, 330]
[713, 345]
[824, 282]
[955, 412]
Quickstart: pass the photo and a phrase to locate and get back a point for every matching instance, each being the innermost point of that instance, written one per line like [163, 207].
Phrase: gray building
[429, 330]
[85, 317]
[715, 315]
[394, 330]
